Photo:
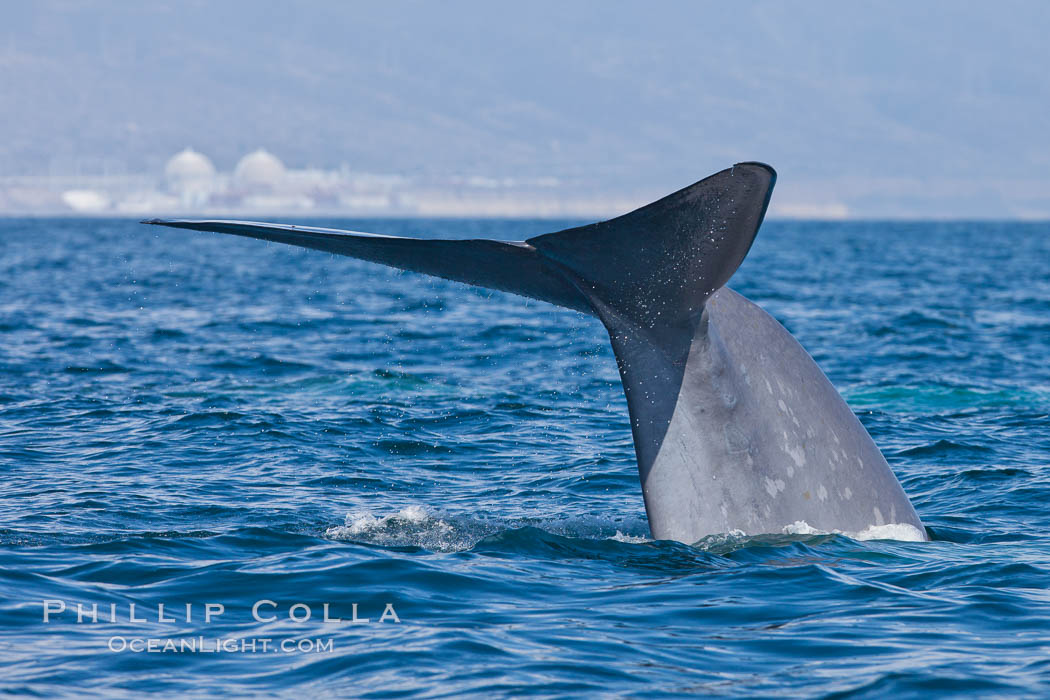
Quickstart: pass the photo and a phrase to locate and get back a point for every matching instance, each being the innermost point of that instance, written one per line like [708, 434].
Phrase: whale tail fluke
[735, 427]
[654, 266]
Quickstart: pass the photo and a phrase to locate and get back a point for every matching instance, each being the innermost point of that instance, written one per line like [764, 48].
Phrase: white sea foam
[801, 527]
[630, 539]
[411, 526]
[890, 531]
[361, 522]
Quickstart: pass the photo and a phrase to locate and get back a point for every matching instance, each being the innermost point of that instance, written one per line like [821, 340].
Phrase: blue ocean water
[190, 419]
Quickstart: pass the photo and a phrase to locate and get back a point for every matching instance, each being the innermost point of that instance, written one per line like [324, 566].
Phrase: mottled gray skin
[735, 427]
[758, 437]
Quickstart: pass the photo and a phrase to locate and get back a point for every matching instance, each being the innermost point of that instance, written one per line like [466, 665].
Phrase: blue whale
[736, 428]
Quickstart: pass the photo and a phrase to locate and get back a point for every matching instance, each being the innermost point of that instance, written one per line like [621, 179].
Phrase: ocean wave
[419, 526]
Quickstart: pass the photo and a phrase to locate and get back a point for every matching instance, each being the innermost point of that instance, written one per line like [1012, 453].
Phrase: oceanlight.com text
[219, 645]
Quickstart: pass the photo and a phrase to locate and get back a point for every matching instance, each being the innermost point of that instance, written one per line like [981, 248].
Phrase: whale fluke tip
[757, 164]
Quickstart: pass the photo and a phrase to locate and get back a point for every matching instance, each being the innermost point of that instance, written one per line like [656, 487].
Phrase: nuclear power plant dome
[188, 166]
[259, 169]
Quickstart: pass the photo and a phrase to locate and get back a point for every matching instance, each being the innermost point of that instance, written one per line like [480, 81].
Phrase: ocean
[232, 468]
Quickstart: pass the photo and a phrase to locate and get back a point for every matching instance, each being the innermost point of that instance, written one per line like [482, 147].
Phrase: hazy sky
[883, 109]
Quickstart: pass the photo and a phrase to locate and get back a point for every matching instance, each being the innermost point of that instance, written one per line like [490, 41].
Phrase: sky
[869, 110]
